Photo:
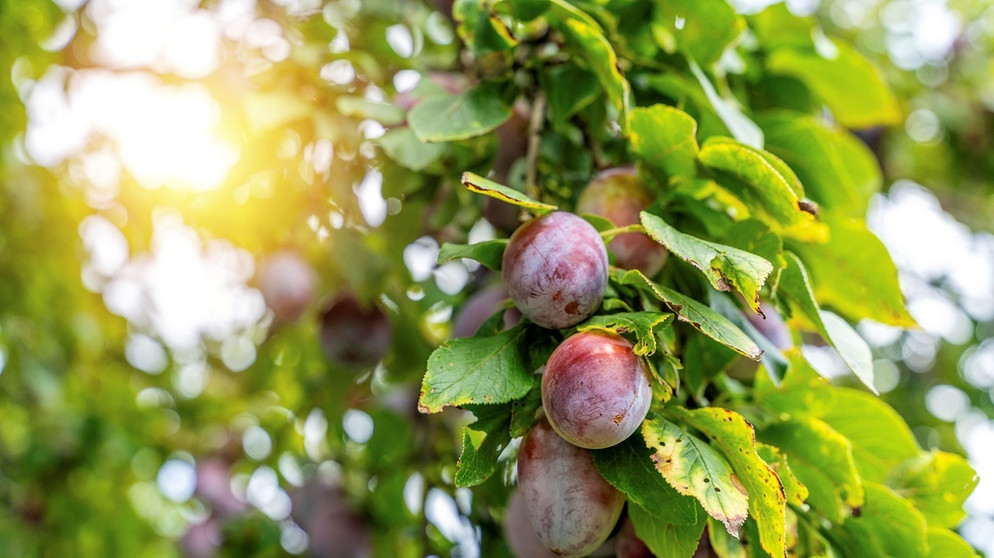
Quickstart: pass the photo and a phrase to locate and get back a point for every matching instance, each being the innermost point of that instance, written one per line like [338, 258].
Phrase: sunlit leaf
[489, 253]
[694, 468]
[472, 113]
[664, 139]
[642, 324]
[695, 313]
[736, 439]
[726, 268]
[487, 187]
[476, 370]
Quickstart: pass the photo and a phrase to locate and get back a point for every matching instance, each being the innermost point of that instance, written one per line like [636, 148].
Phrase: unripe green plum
[352, 335]
[619, 196]
[595, 390]
[555, 269]
[570, 505]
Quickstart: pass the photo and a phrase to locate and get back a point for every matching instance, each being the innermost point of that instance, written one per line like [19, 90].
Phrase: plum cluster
[595, 390]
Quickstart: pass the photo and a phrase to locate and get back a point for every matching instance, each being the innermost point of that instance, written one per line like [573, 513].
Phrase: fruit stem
[609, 234]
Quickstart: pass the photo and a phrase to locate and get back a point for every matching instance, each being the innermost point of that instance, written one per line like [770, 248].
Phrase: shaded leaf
[480, 452]
[628, 466]
[585, 38]
[664, 538]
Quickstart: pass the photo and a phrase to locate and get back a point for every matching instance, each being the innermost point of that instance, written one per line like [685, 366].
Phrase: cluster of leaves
[761, 189]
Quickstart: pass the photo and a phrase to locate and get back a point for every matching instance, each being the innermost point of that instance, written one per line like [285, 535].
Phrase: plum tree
[595, 391]
[555, 269]
[287, 283]
[480, 306]
[619, 195]
[354, 336]
[570, 505]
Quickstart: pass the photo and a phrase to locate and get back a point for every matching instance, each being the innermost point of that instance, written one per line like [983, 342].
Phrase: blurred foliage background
[153, 158]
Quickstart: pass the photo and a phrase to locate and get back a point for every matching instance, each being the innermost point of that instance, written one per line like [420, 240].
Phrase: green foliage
[740, 127]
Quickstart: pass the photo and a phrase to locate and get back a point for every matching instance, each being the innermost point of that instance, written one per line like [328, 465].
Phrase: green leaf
[476, 370]
[764, 183]
[839, 171]
[569, 89]
[490, 253]
[943, 543]
[741, 126]
[853, 273]
[777, 27]
[937, 483]
[888, 524]
[694, 468]
[585, 38]
[698, 315]
[851, 347]
[361, 107]
[736, 439]
[666, 539]
[401, 145]
[795, 287]
[701, 29]
[664, 140]
[722, 544]
[472, 113]
[876, 450]
[820, 456]
[773, 361]
[487, 187]
[480, 28]
[726, 268]
[479, 453]
[794, 490]
[854, 90]
[527, 10]
[642, 324]
[628, 466]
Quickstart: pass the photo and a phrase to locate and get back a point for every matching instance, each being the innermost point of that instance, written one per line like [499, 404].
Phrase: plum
[595, 391]
[287, 283]
[570, 505]
[627, 543]
[555, 269]
[334, 529]
[519, 533]
[619, 195]
[480, 306]
[352, 335]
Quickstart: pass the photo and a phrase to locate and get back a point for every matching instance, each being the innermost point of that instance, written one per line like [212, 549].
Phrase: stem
[609, 234]
[534, 142]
